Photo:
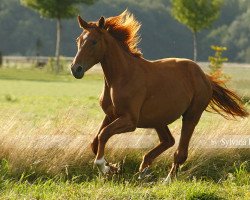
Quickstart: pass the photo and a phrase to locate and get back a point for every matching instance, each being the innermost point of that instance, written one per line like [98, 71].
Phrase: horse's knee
[180, 157]
[102, 138]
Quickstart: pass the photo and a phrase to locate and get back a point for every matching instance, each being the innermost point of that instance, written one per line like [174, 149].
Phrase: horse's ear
[101, 23]
[83, 24]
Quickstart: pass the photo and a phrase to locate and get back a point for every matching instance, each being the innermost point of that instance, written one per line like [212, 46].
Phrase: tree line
[27, 32]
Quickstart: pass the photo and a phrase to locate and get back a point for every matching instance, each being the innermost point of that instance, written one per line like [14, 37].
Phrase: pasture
[48, 121]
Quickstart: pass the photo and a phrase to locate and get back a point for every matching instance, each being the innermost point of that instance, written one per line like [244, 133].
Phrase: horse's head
[91, 47]
[92, 43]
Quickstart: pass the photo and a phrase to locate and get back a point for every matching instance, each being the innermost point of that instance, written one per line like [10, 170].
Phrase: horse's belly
[161, 111]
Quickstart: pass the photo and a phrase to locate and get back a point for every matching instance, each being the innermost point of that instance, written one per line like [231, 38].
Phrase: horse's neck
[117, 63]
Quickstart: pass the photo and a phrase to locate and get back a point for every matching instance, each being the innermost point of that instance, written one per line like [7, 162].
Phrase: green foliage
[196, 14]
[204, 196]
[4, 169]
[241, 174]
[162, 36]
[58, 9]
[236, 36]
[105, 190]
[96, 187]
[216, 62]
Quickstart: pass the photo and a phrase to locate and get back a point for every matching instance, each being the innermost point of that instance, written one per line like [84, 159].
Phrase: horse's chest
[107, 104]
[113, 104]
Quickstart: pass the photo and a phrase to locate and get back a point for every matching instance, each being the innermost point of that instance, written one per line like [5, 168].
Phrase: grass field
[48, 121]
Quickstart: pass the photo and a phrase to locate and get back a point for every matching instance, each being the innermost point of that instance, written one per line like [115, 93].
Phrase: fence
[39, 61]
[42, 60]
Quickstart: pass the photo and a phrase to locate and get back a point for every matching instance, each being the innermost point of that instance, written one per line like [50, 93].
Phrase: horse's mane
[124, 28]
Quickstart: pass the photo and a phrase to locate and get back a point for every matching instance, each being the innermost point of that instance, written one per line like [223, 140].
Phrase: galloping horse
[146, 94]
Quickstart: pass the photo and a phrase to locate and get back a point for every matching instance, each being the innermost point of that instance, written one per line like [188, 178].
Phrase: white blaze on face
[101, 164]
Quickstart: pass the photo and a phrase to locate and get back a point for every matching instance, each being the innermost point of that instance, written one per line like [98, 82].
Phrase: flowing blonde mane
[124, 28]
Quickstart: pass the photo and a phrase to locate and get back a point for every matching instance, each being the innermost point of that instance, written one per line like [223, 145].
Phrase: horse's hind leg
[189, 122]
[166, 141]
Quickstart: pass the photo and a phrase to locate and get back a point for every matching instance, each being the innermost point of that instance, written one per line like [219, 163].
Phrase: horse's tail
[224, 101]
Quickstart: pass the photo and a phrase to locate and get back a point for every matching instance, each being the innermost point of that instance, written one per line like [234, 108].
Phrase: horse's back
[181, 69]
[189, 73]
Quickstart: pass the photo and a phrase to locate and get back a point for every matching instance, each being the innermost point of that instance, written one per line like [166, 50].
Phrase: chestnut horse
[146, 94]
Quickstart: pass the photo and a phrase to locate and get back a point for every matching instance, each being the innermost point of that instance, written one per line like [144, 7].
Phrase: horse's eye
[94, 42]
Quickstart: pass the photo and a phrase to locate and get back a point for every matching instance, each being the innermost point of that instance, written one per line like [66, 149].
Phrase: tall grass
[63, 149]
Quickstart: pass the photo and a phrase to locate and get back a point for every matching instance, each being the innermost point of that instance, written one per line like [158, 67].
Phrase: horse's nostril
[79, 69]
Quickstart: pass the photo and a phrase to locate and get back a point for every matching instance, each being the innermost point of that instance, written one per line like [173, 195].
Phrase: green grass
[193, 190]
[235, 186]
[40, 95]
[47, 122]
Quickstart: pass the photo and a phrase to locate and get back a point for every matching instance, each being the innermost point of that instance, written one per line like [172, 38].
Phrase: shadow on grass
[204, 196]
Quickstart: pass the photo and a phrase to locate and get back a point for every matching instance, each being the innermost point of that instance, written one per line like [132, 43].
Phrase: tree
[196, 15]
[56, 9]
[216, 63]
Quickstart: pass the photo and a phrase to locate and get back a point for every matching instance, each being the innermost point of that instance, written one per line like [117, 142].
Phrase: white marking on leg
[102, 165]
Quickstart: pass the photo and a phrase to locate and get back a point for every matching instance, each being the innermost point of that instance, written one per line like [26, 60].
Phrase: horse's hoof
[103, 169]
[146, 173]
[115, 169]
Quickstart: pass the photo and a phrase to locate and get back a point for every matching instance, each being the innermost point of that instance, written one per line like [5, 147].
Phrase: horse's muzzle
[78, 71]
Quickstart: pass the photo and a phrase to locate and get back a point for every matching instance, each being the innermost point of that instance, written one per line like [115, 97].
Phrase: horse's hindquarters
[171, 90]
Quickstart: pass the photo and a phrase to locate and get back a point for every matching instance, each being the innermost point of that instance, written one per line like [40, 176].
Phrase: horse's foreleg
[120, 125]
[94, 145]
[166, 141]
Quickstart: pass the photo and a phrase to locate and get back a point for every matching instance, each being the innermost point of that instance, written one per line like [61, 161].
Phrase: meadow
[48, 121]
